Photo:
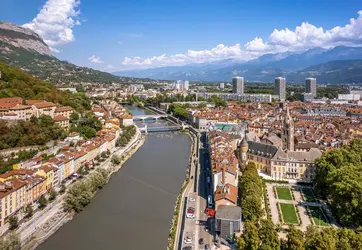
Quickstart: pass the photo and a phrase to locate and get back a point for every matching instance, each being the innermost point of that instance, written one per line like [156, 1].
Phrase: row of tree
[323, 239]
[251, 193]
[80, 194]
[263, 236]
[339, 178]
[127, 134]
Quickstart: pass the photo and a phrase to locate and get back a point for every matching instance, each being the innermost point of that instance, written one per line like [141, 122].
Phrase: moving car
[192, 198]
[201, 241]
[207, 247]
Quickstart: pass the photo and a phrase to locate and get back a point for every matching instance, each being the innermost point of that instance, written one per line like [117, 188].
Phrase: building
[228, 220]
[349, 97]
[186, 85]
[222, 85]
[238, 85]
[238, 97]
[283, 162]
[307, 97]
[280, 88]
[311, 86]
[288, 132]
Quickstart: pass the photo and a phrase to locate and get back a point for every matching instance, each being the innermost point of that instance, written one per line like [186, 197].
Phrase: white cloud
[119, 42]
[55, 50]
[55, 21]
[303, 37]
[95, 59]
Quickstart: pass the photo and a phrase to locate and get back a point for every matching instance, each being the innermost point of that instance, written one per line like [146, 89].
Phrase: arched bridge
[149, 117]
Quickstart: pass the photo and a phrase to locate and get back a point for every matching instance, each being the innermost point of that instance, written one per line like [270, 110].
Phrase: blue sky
[116, 35]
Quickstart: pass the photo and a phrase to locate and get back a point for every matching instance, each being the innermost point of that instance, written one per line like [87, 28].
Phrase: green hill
[15, 82]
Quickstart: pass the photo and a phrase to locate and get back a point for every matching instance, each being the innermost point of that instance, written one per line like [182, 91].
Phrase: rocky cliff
[22, 38]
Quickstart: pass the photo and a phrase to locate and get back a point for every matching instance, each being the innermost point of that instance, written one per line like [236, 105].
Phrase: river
[134, 210]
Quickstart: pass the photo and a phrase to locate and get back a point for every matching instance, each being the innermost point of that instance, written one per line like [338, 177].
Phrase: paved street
[198, 190]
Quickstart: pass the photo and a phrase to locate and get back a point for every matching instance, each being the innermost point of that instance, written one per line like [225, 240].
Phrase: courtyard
[297, 205]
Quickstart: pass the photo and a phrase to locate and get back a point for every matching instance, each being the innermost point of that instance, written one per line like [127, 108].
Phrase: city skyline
[142, 35]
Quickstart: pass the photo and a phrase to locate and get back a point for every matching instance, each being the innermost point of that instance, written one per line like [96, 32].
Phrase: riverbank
[59, 217]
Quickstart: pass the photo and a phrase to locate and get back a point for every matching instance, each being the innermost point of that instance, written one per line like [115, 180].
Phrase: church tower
[243, 150]
[288, 132]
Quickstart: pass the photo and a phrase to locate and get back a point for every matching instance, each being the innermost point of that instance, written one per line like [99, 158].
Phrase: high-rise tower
[280, 88]
[311, 86]
[238, 85]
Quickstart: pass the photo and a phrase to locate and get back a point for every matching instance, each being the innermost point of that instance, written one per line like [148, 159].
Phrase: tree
[317, 239]
[295, 239]
[251, 192]
[62, 188]
[250, 238]
[28, 210]
[268, 236]
[115, 160]
[104, 154]
[52, 194]
[10, 241]
[217, 101]
[42, 202]
[13, 222]
[339, 177]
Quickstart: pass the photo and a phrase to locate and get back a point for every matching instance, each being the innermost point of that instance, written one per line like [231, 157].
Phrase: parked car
[188, 240]
[190, 215]
[192, 198]
[201, 241]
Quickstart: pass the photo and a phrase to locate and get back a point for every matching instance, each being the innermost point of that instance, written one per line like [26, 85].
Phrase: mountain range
[340, 64]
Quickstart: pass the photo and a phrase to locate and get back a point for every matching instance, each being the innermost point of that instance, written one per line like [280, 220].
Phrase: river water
[134, 210]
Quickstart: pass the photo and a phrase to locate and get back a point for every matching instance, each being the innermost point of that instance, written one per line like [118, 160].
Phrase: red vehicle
[210, 212]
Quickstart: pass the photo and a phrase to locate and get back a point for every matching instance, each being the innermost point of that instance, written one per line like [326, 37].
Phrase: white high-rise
[222, 85]
[238, 85]
[280, 88]
[311, 86]
[186, 85]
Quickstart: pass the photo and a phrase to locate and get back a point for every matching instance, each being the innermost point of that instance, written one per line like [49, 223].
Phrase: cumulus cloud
[303, 37]
[55, 50]
[55, 22]
[95, 59]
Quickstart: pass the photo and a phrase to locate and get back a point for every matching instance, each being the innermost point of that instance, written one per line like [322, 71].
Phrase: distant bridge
[146, 129]
[149, 117]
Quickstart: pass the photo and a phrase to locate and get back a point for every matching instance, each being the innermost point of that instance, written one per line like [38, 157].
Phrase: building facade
[311, 86]
[280, 88]
[238, 85]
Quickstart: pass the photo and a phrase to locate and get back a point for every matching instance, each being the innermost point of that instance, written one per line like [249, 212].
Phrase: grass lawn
[318, 216]
[284, 193]
[308, 195]
[289, 214]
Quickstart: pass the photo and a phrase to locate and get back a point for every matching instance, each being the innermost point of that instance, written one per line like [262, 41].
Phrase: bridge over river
[149, 117]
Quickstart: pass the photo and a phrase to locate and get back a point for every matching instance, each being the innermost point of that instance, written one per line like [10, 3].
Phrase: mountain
[264, 68]
[341, 71]
[23, 48]
[20, 37]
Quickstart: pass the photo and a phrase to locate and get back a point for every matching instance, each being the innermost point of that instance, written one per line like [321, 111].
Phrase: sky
[115, 35]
